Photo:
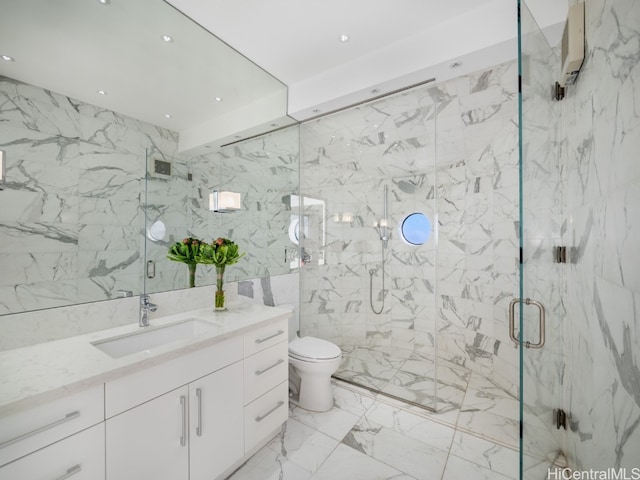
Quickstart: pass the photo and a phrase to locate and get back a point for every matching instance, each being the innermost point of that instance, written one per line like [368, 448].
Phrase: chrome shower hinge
[561, 419]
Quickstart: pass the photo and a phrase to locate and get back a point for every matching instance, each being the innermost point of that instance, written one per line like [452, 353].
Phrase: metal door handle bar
[183, 405]
[541, 322]
[259, 418]
[71, 472]
[66, 418]
[199, 426]
[264, 370]
[262, 340]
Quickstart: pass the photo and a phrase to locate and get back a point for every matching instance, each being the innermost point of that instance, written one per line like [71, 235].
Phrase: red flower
[220, 241]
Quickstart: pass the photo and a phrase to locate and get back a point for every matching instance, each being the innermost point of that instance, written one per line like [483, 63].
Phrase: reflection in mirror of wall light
[2, 169]
[224, 201]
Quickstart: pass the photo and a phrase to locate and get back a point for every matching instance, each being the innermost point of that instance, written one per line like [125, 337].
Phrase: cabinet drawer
[126, 392]
[264, 370]
[25, 432]
[265, 414]
[265, 337]
[78, 457]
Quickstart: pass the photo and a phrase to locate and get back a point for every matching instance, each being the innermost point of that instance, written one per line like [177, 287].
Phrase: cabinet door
[151, 440]
[216, 413]
[78, 457]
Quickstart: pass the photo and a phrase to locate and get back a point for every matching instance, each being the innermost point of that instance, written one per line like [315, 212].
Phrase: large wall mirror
[92, 94]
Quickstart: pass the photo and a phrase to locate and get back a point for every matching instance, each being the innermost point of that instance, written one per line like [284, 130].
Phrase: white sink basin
[151, 337]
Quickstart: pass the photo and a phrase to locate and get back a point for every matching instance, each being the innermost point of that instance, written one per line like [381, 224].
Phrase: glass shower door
[538, 313]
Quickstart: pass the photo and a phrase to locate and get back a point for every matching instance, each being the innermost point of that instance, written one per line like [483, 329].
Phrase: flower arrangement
[221, 252]
[187, 252]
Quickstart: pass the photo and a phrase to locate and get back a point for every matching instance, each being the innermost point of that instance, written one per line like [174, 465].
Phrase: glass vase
[192, 274]
[219, 296]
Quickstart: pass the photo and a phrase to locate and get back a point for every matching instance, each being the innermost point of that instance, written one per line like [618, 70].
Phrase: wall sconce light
[2, 169]
[343, 218]
[224, 202]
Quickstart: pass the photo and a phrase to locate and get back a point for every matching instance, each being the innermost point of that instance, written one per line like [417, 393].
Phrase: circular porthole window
[415, 228]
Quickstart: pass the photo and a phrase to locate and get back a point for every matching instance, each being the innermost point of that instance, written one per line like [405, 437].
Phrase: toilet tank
[294, 320]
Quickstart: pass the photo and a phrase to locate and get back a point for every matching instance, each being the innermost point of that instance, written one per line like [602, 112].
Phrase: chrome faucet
[145, 307]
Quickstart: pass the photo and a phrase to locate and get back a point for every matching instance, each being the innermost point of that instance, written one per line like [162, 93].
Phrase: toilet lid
[311, 347]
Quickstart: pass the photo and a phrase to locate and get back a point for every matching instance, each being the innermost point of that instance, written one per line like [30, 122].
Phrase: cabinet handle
[199, 426]
[71, 472]
[260, 372]
[67, 417]
[259, 418]
[183, 404]
[261, 340]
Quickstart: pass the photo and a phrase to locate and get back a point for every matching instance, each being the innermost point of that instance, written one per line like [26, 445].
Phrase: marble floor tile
[345, 463]
[411, 425]
[458, 469]
[352, 398]
[418, 459]
[306, 447]
[496, 458]
[336, 422]
[268, 464]
[496, 428]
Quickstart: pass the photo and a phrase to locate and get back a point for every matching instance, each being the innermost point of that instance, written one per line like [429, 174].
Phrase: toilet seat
[311, 348]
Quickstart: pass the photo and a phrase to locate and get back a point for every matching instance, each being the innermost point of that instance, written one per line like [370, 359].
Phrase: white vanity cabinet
[191, 432]
[54, 425]
[193, 413]
[266, 389]
[78, 457]
[150, 440]
[216, 414]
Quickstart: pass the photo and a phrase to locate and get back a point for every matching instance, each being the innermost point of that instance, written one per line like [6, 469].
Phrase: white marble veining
[39, 373]
[449, 151]
[581, 190]
[377, 438]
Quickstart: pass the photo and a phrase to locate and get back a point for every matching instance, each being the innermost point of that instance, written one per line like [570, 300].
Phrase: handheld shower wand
[382, 226]
[384, 233]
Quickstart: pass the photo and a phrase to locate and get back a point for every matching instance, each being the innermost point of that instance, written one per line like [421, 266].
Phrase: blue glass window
[416, 228]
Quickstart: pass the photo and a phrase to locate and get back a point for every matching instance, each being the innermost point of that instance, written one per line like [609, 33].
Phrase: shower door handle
[541, 322]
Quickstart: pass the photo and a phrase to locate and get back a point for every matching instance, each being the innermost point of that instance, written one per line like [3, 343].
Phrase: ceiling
[78, 47]
[391, 44]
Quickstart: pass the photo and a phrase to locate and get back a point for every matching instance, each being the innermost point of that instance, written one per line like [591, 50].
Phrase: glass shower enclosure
[363, 170]
[538, 313]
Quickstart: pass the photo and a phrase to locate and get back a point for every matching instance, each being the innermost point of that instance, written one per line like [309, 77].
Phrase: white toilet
[312, 361]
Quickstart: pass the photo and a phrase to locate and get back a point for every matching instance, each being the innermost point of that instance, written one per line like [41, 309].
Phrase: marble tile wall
[75, 176]
[75, 229]
[29, 328]
[449, 151]
[264, 171]
[599, 152]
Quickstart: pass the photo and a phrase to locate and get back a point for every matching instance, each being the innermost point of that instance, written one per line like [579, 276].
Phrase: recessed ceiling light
[104, 2]
[8, 58]
[167, 115]
[218, 99]
[455, 65]
[167, 38]
[344, 38]
[102, 92]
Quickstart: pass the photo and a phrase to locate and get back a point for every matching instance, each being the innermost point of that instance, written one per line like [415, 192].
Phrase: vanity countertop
[40, 373]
